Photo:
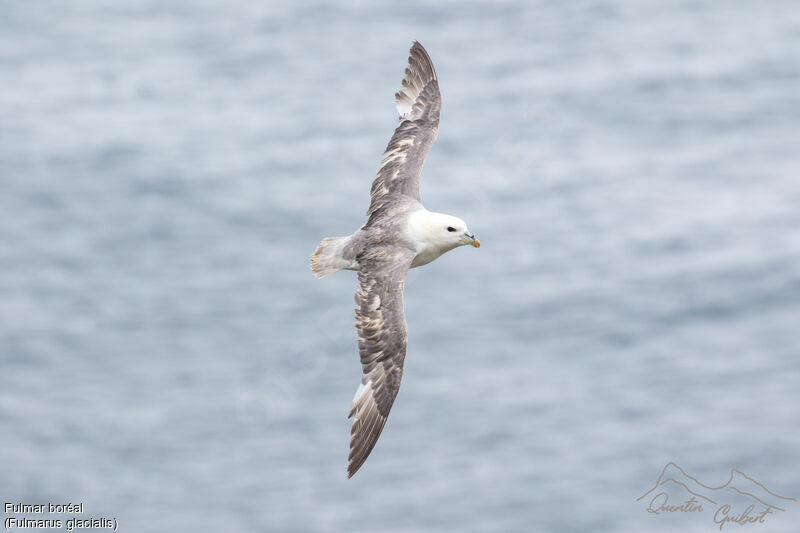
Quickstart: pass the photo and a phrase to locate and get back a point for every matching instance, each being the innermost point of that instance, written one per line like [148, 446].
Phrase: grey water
[166, 169]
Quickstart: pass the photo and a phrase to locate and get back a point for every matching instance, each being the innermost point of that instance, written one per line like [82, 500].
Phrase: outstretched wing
[418, 103]
[382, 336]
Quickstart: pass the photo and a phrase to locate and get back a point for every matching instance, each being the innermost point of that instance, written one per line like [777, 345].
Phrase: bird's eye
[450, 228]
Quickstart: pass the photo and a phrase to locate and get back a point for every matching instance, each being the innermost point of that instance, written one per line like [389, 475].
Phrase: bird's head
[449, 231]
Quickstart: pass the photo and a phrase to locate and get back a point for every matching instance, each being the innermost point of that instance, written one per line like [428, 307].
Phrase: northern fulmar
[399, 234]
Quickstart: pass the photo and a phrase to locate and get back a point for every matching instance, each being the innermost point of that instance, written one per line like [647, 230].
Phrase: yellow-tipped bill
[468, 238]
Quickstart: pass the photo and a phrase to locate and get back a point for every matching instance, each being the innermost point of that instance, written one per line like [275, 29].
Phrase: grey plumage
[382, 337]
[418, 104]
[382, 251]
[384, 261]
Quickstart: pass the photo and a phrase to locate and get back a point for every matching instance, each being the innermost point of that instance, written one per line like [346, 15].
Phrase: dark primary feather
[420, 100]
[382, 336]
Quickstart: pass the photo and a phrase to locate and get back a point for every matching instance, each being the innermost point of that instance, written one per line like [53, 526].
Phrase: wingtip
[419, 73]
[354, 466]
[426, 56]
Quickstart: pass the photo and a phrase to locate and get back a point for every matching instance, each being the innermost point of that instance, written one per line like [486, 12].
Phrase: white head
[440, 231]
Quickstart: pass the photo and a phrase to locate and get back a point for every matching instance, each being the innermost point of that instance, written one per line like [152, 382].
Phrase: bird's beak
[471, 240]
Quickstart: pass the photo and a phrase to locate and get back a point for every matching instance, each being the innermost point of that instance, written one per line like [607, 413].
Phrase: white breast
[425, 257]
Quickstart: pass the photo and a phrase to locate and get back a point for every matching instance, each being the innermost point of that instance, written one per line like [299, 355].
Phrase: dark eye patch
[450, 228]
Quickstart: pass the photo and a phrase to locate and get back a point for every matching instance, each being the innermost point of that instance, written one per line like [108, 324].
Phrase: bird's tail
[328, 258]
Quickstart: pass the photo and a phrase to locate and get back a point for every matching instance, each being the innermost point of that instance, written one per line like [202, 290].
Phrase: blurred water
[166, 169]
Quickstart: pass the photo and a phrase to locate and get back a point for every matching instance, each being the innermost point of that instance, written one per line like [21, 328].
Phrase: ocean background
[167, 168]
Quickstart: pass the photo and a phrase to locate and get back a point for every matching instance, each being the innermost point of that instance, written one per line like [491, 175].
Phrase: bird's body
[408, 224]
[399, 234]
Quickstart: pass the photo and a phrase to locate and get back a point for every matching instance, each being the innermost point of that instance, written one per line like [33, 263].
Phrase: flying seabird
[399, 234]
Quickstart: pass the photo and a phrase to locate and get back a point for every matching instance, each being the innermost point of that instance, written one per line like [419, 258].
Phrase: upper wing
[382, 336]
[418, 103]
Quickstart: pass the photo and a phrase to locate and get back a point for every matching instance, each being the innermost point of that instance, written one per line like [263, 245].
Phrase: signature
[741, 500]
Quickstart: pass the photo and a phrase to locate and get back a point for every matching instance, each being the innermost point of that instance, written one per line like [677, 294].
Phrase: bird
[399, 234]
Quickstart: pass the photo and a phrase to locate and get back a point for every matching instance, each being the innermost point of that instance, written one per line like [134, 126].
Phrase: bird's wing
[382, 336]
[418, 103]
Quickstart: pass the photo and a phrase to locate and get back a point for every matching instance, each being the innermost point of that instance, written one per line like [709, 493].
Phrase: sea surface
[167, 168]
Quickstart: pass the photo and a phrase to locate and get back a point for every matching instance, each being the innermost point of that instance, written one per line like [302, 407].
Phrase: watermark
[741, 500]
[48, 515]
